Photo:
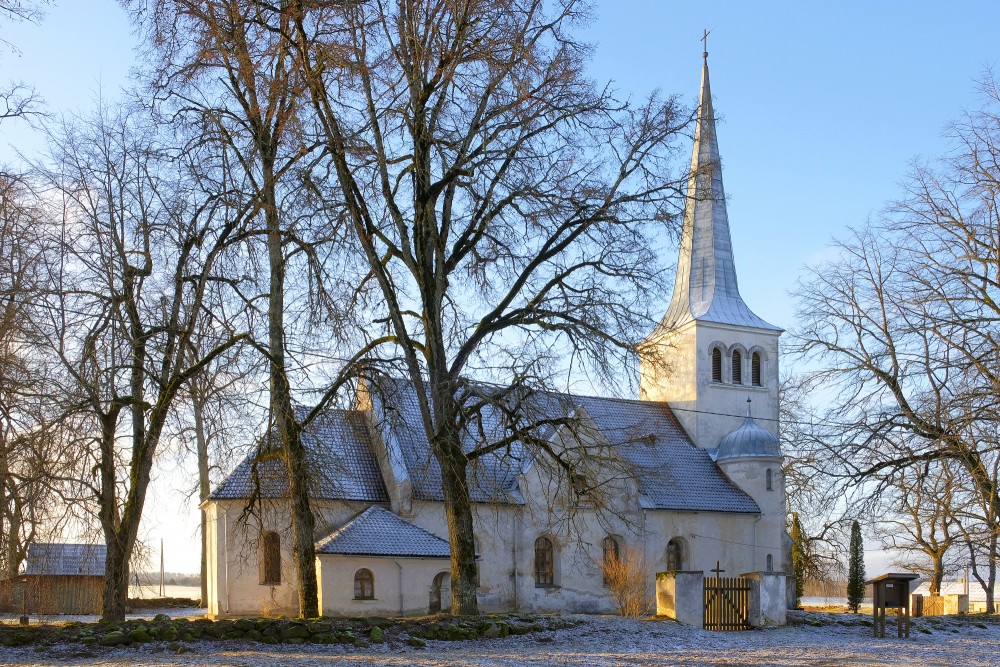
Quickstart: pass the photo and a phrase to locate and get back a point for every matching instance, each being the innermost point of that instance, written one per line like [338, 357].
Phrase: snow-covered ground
[597, 641]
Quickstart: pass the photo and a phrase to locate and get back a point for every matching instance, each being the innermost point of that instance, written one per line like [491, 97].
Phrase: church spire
[705, 288]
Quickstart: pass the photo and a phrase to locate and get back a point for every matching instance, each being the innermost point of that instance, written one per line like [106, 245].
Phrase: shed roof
[378, 532]
[57, 558]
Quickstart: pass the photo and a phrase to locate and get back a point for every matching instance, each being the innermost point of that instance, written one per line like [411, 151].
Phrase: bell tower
[710, 352]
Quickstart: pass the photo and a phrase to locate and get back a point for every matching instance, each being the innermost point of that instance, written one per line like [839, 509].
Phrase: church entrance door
[441, 593]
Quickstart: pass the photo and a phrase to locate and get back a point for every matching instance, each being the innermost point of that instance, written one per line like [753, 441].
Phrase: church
[686, 476]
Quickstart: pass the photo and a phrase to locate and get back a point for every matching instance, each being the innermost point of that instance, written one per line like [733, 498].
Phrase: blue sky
[823, 106]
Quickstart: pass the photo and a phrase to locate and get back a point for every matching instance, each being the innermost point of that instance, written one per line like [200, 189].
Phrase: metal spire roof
[706, 287]
[749, 440]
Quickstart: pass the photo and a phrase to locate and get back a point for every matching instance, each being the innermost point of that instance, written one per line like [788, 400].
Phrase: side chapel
[700, 447]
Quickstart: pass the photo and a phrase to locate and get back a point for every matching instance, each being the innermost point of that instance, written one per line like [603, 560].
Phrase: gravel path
[598, 641]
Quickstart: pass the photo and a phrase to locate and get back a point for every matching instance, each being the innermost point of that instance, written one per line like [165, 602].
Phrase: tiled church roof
[342, 463]
[379, 532]
[671, 472]
[492, 478]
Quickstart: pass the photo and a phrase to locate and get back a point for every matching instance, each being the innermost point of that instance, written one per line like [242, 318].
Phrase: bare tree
[140, 248]
[27, 459]
[905, 325]
[921, 519]
[228, 61]
[502, 208]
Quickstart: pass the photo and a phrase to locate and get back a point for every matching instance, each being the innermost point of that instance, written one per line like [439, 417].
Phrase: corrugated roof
[342, 463]
[379, 532]
[55, 558]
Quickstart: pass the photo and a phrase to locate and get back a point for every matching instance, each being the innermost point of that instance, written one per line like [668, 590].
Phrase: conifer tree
[798, 558]
[856, 570]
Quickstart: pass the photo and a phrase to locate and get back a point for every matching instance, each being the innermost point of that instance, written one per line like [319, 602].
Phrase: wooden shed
[59, 578]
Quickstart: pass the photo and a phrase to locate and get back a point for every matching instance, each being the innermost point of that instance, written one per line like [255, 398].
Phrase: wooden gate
[727, 603]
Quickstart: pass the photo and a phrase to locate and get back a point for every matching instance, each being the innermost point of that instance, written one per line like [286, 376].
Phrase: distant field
[147, 592]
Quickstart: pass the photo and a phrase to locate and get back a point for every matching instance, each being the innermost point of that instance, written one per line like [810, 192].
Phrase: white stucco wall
[685, 382]
[411, 576]
[234, 586]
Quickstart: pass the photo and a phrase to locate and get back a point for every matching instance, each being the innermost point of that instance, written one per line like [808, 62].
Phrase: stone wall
[681, 596]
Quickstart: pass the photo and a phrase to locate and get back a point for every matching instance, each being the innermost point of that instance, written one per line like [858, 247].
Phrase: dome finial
[704, 42]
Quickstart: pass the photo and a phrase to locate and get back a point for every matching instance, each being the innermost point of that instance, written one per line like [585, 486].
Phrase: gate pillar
[680, 595]
[767, 598]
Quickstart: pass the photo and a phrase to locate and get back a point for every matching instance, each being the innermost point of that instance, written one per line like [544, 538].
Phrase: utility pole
[161, 567]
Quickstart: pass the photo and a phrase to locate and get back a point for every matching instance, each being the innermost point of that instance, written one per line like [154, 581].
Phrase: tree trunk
[115, 578]
[303, 522]
[992, 575]
[203, 485]
[458, 513]
[937, 574]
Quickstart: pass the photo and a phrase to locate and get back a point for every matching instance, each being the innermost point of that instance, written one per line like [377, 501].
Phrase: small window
[544, 562]
[755, 369]
[270, 559]
[770, 563]
[580, 486]
[769, 479]
[612, 554]
[675, 555]
[716, 365]
[737, 367]
[364, 585]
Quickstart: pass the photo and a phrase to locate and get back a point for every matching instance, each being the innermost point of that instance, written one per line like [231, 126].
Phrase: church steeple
[706, 288]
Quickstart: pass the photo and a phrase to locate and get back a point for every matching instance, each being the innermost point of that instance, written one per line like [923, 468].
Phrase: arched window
[675, 555]
[270, 559]
[364, 585]
[737, 367]
[769, 479]
[770, 563]
[612, 554]
[755, 369]
[544, 562]
[716, 365]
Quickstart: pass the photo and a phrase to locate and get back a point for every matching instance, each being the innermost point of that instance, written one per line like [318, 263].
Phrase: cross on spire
[704, 43]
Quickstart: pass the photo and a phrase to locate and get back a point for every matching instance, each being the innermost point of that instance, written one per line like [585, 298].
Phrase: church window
[612, 554]
[675, 555]
[580, 486]
[364, 585]
[270, 559]
[716, 365]
[769, 479]
[755, 369]
[770, 563]
[544, 562]
[737, 367]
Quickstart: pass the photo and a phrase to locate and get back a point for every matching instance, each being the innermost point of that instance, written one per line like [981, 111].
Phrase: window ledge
[270, 583]
[549, 586]
[365, 599]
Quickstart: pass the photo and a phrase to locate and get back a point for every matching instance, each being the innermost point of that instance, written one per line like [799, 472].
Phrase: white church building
[687, 475]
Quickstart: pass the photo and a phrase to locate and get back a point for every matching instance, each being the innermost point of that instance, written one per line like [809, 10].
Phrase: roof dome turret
[749, 440]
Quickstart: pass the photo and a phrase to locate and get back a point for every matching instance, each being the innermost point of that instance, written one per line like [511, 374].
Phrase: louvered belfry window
[716, 365]
[737, 367]
[755, 369]
[544, 562]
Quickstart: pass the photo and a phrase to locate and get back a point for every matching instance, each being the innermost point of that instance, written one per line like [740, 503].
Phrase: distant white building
[976, 593]
[702, 478]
